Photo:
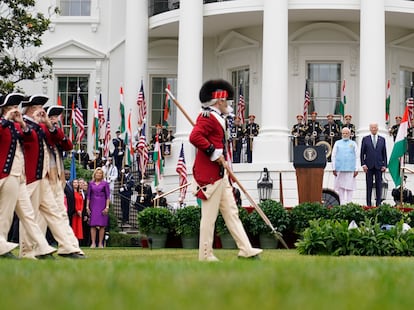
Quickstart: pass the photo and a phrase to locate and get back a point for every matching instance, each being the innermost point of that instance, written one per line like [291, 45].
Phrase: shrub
[385, 214]
[349, 212]
[332, 237]
[122, 240]
[187, 221]
[304, 212]
[155, 220]
[276, 213]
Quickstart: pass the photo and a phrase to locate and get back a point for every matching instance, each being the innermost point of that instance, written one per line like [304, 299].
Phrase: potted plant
[156, 223]
[277, 215]
[304, 212]
[227, 241]
[187, 225]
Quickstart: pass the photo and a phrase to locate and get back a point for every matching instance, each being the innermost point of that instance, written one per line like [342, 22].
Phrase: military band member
[212, 183]
[13, 191]
[331, 130]
[349, 125]
[237, 139]
[410, 144]
[314, 129]
[299, 131]
[394, 128]
[144, 196]
[251, 131]
[37, 154]
[119, 150]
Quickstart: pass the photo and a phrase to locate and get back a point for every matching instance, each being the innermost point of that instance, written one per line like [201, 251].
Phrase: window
[325, 87]
[75, 7]
[240, 79]
[158, 96]
[406, 90]
[67, 91]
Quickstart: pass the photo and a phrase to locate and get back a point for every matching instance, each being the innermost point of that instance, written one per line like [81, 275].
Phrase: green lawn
[137, 278]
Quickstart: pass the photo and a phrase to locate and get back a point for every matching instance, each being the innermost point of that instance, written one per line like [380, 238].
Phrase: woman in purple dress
[97, 206]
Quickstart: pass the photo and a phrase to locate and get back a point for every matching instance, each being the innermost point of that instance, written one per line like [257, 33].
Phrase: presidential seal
[310, 154]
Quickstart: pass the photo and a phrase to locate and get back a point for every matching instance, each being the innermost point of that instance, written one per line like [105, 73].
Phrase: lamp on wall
[264, 185]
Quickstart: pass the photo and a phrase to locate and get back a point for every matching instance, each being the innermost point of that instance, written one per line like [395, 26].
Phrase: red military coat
[208, 134]
[10, 135]
[33, 149]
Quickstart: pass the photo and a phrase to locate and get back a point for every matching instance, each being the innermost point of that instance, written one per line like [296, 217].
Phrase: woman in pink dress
[97, 206]
[77, 216]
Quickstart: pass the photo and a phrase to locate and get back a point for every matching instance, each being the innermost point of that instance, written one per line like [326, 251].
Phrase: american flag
[142, 106]
[241, 105]
[410, 106]
[306, 103]
[101, 118]
[142, 149]
[182, 173]
[107, 135]
[79, 118]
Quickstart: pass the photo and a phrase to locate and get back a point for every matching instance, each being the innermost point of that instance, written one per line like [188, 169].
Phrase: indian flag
[158, 162]
[343, 100]
[122, 110]
[95, 127]
[399, 149]
[388, 103]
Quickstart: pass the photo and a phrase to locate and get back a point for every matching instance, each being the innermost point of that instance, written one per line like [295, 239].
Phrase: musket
[275, 233]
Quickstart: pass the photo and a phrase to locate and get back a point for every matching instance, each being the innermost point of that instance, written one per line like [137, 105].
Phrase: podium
[309, 162]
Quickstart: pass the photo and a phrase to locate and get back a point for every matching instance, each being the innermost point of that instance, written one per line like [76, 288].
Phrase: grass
[137, 278]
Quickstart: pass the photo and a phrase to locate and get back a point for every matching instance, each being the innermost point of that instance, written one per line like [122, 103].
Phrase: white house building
[269, 47]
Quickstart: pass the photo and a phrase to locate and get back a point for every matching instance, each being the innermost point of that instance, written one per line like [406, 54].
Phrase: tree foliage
[21, 29]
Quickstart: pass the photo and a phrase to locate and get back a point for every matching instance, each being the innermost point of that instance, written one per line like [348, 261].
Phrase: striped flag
[79, 118]
[158, 162]
[142, 151]
[122, 110]
[241, 105]
[182, 173]
[72, 129]
[306, 103]
[167, 107]
[142, 106]
[343, 100]
[128, 140]
[388, 103]
[95, 127]
[399, 149]
[101, 118]
[107, 140]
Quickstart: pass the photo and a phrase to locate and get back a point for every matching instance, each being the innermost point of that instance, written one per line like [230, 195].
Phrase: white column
[190, 72]
[272, 144]
[372, 66]
[136, 56]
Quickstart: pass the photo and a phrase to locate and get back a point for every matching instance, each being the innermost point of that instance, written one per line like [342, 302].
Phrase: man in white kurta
[344, 164]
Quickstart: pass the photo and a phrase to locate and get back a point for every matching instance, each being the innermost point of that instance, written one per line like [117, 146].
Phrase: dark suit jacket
[70, 199]
[373, 158]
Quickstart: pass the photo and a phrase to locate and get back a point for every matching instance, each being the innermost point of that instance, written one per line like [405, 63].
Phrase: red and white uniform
[208, 136]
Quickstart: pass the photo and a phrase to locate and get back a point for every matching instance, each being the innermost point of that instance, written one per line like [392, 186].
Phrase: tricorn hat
[54, 110]
[11, 99]
[216, 89]
[35, 100]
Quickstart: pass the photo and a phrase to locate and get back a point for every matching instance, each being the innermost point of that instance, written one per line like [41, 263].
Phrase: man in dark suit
[70, 196]
[374, 162]
[126, 193]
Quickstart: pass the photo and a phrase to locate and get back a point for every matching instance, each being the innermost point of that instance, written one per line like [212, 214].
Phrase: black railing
[160, 6]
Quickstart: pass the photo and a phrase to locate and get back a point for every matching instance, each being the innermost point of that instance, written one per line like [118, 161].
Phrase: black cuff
[210, 150]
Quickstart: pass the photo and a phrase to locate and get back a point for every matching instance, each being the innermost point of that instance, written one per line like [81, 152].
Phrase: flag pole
[277, 234]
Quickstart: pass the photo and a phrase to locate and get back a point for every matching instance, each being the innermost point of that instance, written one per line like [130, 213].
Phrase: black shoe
[9, 255]
[46, 257]
[73, 255]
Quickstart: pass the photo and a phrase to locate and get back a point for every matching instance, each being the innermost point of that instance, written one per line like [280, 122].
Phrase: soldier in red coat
[213, 186]
[13, 191]
[38, 161]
